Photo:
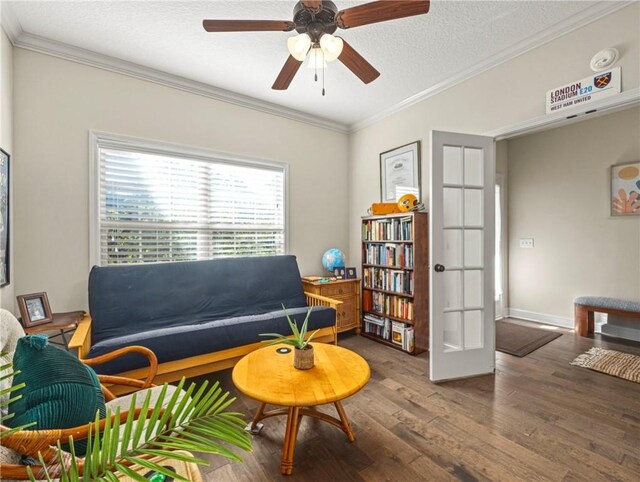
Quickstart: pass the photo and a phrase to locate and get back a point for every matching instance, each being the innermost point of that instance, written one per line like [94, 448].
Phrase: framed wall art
[400, 172]
[625, 189]
[4, 218]
[34, 309]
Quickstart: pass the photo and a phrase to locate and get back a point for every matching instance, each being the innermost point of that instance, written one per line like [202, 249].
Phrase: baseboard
[540, 317]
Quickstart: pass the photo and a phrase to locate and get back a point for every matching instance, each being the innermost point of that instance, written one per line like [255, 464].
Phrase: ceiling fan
[315, 21]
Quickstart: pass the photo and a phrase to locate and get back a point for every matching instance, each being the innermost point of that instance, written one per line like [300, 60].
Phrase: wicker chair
[32, 442]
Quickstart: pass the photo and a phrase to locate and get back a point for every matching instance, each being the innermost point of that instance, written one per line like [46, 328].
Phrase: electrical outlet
[526, 242]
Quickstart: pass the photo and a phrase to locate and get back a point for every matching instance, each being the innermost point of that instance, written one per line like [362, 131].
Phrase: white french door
[461, 257]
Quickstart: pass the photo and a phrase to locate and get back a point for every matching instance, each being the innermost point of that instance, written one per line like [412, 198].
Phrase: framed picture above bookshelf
[395, 280]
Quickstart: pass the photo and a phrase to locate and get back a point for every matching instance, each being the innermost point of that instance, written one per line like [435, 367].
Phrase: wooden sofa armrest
[81, 339]
[317, 300]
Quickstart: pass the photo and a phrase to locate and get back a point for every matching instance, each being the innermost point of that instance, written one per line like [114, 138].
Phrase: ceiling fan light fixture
[331, 46]
[299, 46]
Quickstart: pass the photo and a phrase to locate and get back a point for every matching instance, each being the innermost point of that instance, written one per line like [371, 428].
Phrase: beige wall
[57, 102]
[508, 94]
[502, 171]
[6, 142]
[559, 188]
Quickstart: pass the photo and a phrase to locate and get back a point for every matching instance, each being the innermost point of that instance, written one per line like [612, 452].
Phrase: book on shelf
[389, 254]
[377, 325]
[388, 229]
[403, 335]
[388, 279]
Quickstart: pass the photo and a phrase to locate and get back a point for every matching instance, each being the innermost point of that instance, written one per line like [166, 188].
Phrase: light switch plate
[526, 242]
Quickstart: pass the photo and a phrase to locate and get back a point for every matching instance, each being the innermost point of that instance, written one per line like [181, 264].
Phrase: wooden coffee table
[269, 377]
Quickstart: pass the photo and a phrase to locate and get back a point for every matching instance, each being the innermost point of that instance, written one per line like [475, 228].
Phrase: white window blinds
[160, 208]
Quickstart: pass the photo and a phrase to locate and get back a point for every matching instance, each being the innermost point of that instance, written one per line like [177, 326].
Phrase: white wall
[6, 142]
[508, 94]
[57, 102]
[559, 191]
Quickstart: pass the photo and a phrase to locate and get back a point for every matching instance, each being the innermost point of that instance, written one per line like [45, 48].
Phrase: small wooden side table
[347, 291]
[63, 323]
[268, 376]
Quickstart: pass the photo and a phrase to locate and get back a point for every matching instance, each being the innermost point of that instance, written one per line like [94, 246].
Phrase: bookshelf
[395, 280]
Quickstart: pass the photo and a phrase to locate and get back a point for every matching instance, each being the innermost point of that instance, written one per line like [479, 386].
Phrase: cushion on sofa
[178, 342]
[125, 300]
[59, 392]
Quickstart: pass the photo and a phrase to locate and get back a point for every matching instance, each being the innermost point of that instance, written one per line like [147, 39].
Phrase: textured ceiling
[412, 54]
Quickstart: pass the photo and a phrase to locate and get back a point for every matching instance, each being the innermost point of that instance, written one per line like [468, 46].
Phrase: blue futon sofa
[198, 316]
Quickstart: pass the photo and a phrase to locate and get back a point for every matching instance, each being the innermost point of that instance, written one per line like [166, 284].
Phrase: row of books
[388, 279]
[389, 305]
[378, 326]
[389, 254]
[390, 229]
[398, 333]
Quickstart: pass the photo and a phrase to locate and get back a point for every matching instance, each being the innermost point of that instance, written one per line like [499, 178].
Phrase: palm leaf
[196, 422]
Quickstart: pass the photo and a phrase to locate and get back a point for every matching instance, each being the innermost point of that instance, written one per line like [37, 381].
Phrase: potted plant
[303, 349]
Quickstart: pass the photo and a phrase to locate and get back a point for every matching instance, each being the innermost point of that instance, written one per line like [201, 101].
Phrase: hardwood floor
[538, 418]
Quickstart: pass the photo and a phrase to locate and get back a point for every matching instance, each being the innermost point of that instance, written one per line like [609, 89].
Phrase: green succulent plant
[195, 420]
[297, 339]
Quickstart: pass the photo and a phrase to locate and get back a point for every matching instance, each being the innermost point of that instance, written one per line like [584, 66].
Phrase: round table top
[268, 376]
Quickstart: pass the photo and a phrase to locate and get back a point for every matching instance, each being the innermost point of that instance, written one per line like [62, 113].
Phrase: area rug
[611, 362]
[521, 340]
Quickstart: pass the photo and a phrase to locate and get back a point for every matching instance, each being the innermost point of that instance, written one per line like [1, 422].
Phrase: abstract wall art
[625, 189]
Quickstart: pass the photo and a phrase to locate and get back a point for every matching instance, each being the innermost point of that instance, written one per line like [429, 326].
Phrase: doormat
[521, 340]
[611, 362]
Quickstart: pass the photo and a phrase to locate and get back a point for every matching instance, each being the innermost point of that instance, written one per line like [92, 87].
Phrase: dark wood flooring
[538, 418]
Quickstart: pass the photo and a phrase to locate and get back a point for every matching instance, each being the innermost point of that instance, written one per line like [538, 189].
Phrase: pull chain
[323, 73]
[315, 67]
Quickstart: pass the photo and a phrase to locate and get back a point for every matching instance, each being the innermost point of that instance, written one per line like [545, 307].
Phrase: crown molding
[560, 29]
[20, 38]
[624, 100]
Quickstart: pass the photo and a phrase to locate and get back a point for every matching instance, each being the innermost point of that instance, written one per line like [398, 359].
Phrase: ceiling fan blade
[357, 64]
[380, 12]
[248, 25]
[287, 74]
[313, 6]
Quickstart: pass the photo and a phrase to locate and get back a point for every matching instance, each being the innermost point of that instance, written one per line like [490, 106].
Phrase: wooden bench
[587, 306]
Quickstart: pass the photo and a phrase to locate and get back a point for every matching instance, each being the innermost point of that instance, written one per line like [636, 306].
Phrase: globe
[333, 258]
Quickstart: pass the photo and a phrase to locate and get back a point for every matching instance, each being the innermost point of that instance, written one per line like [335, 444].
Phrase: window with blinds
[160, 208]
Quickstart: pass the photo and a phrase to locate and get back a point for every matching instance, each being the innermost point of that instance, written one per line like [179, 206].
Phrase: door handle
[439, 268]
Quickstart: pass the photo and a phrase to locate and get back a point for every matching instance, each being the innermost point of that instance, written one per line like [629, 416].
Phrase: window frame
[99, 139]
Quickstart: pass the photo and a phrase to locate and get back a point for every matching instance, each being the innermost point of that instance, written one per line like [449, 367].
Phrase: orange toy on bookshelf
[395, 280]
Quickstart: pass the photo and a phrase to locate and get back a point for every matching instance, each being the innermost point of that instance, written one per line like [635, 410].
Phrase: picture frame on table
[339, 272]
[34, 309]
[400, 172]
[4, 218]
[351, 272]
[625, 189]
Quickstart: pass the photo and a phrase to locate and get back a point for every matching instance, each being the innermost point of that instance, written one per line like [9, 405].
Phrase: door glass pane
[452, 248]
[473, 207]
[452, 289]
[473, 329]
[473, 288]
[473, 167]
[452, 165]
[452, 207]
[473, 248]
[452, 336]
